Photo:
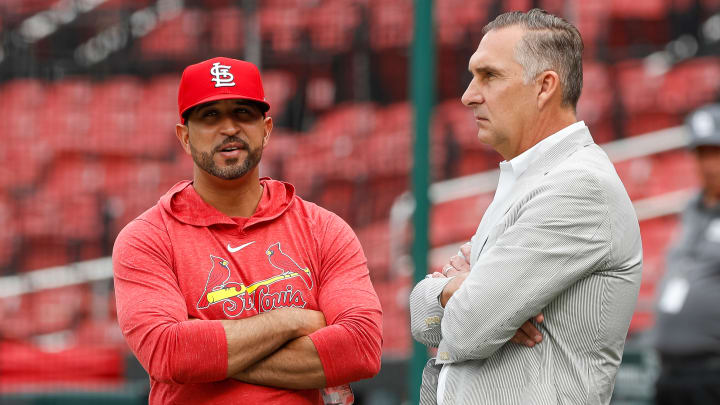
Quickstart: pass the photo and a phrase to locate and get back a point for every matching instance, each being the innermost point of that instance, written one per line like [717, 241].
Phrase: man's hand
[456, 264]
[252, 339]
[459, 268]
[311, 320]
[296, 364]
[528, 334]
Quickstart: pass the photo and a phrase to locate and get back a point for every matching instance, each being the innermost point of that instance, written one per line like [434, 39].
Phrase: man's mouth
[230, 149]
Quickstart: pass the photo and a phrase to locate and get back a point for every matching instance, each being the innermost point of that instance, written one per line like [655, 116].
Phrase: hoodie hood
[185, 205]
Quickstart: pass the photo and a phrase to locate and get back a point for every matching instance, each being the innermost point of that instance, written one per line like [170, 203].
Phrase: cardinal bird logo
[217, 287]
[286, 264]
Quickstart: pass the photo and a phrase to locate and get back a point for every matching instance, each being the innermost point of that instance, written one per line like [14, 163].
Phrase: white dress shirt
[510, 171]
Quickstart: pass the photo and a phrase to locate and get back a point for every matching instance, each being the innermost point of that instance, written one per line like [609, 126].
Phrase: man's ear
[182, 132]
[268, 130]
[549, 87]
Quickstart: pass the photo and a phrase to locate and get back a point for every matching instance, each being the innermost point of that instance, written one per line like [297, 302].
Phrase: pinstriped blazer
[568, 245]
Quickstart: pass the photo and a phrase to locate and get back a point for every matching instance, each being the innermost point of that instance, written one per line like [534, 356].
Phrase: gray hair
[549, 43]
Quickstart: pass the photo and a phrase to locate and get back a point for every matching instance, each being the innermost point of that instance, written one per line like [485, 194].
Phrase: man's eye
[209, 113]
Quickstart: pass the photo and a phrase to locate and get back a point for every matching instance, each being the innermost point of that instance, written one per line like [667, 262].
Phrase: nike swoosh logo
[235, 249]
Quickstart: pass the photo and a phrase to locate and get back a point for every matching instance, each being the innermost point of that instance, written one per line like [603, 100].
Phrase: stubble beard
[233, 170]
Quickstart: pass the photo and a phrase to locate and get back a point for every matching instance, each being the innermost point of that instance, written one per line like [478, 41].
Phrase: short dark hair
[550, 43]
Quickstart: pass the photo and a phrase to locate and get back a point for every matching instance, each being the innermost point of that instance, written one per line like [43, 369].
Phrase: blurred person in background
[687, 331]
[560, 236]
[232, 289]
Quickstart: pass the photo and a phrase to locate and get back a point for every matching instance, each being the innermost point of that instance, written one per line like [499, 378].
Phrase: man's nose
[229, 126]
[472, 95]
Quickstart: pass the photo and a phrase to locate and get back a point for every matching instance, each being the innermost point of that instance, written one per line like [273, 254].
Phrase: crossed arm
[273, 349]
[557, 237]
[440, 287]
[290, 348]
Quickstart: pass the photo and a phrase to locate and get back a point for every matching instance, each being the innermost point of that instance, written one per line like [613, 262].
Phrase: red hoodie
[184, 259]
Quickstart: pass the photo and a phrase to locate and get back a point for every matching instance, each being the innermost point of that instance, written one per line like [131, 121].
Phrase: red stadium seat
[596, 100]
[457, 220]
[638, 88]
[68, 118]
[279, 88]
[596, 97]
[332, 25]
[28, 7]
[648, 122]
[390, 23]
[384, 191]
[303, 170]
[658, 174]
[517, 5]
[154, 134]
[354, 119]
[161, 92]
[24, 163]
[592, 22]
[178, 37]
[676, 97]
[640, 92]
[25, 93]
[340, 196]
[635, 174]
[375, 240]
[227, 31]
[455, 18]
[124, 4]
[277, 153]
[25, 365]
[657, 234]
[673, 171]
[22, 102]
[42, 252]
[711, 6]
[320, 93]
[640, 9]
[393, 296]
[282, 27]
[9, 235]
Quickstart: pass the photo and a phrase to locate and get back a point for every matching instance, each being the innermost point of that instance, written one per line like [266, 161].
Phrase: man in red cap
[232, 289]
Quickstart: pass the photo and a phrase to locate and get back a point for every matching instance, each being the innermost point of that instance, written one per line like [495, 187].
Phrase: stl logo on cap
[221, 75]
[197, 88]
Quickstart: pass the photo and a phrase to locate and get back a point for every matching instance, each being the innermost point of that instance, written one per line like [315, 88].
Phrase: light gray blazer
[568, 245]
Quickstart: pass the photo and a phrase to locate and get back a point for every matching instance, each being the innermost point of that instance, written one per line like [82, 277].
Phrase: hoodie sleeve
[350, 346]
[153, 315]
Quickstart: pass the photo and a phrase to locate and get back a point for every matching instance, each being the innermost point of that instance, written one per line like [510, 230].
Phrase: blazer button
[432, 321]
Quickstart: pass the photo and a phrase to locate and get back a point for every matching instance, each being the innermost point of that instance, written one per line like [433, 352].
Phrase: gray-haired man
[560, 237]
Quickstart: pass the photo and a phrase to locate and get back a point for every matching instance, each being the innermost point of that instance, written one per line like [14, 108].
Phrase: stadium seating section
[86, 151]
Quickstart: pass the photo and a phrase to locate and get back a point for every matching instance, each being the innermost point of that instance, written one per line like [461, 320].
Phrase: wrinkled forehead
[497, 48]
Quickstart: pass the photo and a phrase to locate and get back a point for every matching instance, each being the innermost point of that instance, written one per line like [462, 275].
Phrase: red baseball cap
[220, 79]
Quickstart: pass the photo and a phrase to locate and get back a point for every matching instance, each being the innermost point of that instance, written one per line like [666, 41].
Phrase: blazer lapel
[539, 167]
[518, 190]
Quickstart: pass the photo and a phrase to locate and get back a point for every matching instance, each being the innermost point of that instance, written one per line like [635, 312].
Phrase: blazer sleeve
[426, 313]
[560, 234]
